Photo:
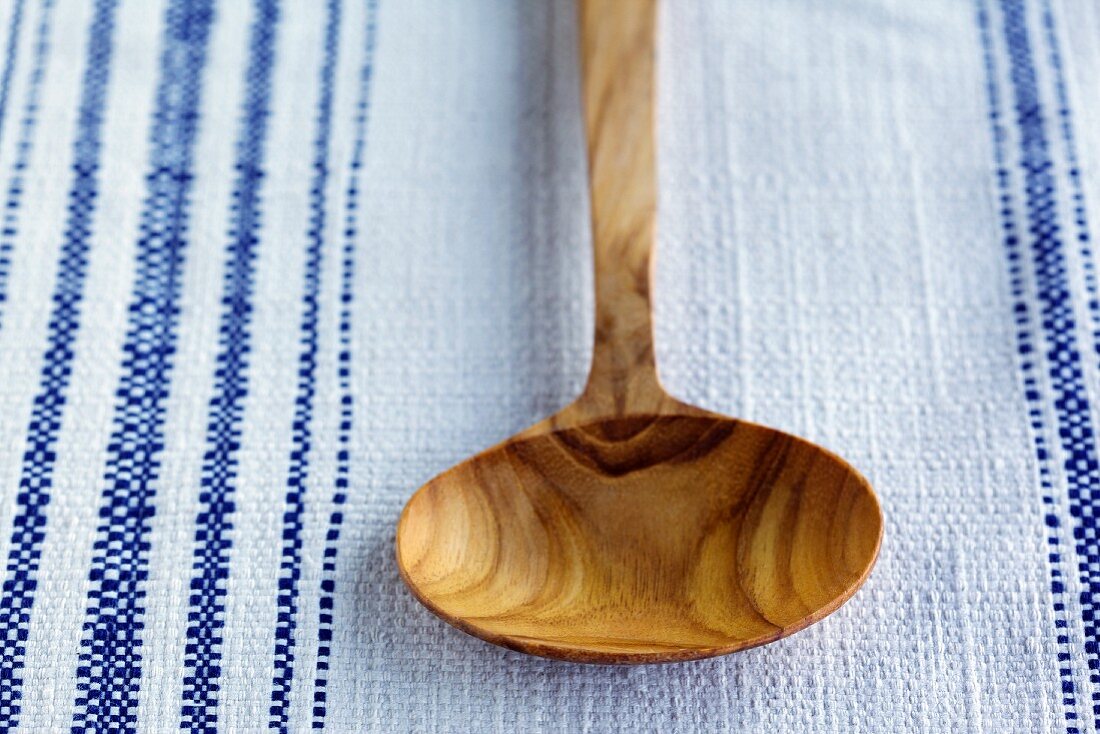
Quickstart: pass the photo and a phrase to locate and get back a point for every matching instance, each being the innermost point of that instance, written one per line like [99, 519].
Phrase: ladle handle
[618, 60]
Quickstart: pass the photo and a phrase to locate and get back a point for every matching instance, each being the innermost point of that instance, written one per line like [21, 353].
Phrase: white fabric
[832, 262]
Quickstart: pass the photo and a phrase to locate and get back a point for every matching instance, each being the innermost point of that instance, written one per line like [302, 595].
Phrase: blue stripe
[10, 57]
[36, 477]
[1088, 509]
[1064, 360]
[301, 428]
[301, 434]
[205, 615]
[9, 221]
[1073, 172]
[1026, 351]
[326, 599]
[1069, 401]
[109, 672]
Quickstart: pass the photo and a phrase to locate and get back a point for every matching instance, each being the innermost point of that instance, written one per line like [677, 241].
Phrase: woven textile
[268, 266]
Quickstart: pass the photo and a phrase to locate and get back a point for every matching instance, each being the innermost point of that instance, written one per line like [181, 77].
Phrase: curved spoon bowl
[641, 539]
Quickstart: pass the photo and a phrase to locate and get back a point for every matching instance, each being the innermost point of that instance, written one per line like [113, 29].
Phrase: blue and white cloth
[266, 267]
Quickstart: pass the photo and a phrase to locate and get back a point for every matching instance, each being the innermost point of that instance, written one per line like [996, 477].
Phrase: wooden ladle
[631, 527]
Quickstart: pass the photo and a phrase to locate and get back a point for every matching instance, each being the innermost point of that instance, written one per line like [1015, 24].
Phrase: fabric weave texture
[268, 266]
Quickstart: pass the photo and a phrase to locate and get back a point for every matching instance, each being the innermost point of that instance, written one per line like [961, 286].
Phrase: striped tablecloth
[266, 267]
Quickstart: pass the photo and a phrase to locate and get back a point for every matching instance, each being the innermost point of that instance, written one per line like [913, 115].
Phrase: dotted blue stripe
[13, 201]
[108, 676]
[301, 428]
[36, 476]
[1085, 533]
[1064, 360]
[1027, 353]
[326, 599]
[1073, 172]
[206, 611]
[10, 57]
[1056, 310]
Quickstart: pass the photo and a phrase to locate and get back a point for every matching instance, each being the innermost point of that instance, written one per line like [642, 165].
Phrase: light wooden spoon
[631, 527]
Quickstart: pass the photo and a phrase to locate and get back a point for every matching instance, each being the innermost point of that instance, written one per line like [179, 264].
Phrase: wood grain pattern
[642, 539]
[631, 527]
[618, 50]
